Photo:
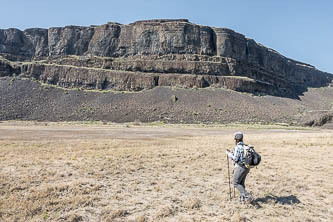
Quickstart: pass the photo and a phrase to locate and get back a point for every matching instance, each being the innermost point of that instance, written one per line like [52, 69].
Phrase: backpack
[251, 157]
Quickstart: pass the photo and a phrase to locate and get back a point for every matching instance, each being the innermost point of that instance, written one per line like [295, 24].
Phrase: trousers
[240, 174]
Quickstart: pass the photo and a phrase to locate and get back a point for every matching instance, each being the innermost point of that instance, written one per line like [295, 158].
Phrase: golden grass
[61, 173]
[160, 124]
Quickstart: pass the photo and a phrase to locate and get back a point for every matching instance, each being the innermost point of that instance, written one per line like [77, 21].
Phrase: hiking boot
[241, 199]
[248, 198]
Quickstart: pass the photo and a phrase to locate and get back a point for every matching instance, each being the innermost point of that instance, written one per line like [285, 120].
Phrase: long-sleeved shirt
[237, 154]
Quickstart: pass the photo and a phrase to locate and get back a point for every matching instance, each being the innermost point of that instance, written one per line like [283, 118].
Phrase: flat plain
[137, 172]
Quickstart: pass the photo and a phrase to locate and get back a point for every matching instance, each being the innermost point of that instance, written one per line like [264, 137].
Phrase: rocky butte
[147, 54]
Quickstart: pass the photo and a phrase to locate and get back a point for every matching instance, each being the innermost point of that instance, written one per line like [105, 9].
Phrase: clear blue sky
[299, 29]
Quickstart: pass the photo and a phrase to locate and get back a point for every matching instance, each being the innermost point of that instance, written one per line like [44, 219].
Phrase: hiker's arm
[234, 155]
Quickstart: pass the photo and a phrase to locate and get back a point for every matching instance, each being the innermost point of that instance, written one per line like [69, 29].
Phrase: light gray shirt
[237, 154]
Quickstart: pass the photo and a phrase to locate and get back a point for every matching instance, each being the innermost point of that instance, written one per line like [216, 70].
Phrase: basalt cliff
[148, 54]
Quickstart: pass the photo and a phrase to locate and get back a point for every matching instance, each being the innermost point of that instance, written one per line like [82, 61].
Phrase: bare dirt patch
[111, 173]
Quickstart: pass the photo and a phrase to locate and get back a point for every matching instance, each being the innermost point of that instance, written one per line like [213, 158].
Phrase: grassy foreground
[109, 173]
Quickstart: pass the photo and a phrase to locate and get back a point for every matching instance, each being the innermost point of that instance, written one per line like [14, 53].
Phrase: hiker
[240, 170]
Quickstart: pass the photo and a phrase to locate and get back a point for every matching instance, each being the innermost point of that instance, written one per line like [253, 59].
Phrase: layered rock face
[146, 54]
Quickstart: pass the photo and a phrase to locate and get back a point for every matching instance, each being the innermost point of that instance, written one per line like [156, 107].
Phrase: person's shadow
[283, 200]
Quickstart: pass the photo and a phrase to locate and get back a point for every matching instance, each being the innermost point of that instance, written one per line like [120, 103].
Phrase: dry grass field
[170, 173]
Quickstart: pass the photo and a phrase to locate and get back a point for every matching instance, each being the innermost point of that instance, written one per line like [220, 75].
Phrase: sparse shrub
[45, 216]
[141, 218]
[165, 212]
[119, 213]
[326, 118]
[158, 123]
[12, 80]
[75, 218]
[137, 122]
[192, 204]
[238, 218]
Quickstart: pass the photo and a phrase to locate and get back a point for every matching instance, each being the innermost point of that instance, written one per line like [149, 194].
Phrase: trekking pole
[229, 179]
[233, 171]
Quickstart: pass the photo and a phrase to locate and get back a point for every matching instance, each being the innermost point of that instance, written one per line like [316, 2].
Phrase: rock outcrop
[146, 54]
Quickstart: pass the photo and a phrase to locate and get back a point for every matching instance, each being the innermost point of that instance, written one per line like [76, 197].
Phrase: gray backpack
[251, 157]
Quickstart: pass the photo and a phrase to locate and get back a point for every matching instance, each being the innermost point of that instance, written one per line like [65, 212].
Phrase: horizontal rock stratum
[146, 54]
